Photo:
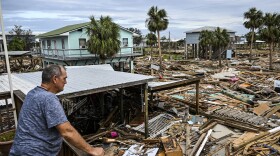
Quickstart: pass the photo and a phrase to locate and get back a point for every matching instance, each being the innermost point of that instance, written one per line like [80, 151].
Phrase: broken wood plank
[197, 144]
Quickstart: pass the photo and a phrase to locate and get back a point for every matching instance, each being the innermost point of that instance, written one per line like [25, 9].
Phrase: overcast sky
[46, 15]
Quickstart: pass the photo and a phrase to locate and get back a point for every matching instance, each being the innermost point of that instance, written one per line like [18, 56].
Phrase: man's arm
[70, 134]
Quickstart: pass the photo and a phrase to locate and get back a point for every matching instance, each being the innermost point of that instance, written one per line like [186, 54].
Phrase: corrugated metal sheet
[18, 84]
[101, 67]
[15, 53]
[80, 79]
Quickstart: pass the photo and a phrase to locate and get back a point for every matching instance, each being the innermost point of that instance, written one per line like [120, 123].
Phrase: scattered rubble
[239, 111]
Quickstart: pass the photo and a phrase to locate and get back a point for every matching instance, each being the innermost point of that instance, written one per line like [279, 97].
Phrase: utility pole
[8, 63]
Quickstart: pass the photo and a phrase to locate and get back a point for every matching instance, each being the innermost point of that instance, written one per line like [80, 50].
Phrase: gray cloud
[42, 16]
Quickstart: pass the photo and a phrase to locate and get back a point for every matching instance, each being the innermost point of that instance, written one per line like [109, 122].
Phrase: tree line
[20, 39]
[104, 38]
[263, 26]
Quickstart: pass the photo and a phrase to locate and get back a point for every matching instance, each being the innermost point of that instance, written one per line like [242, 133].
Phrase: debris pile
[239, 112]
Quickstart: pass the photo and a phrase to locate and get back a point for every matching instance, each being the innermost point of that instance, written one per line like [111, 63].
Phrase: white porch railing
[63, 54]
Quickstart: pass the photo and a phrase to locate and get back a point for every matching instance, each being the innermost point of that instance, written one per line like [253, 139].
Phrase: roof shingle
[63, 30]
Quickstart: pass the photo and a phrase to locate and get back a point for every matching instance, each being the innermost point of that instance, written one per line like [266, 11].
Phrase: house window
[82, 43]
[62, 44]
[125, 42]
[48, 44]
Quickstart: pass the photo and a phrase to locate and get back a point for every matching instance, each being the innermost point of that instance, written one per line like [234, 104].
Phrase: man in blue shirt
[42, 122]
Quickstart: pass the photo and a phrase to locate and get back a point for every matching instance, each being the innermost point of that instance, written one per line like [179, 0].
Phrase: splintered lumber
[180, 90]
[218, 148]
[272, 111]
[239, 125]
[129, 135]
[196, 146]
[250, 92]
[270, 139]
[261, 109]
[95, 137]
[204, 142]
[151, 141]
[211, 125]
[188, 141]
[171, 146]
[274, 131]
[205, 124]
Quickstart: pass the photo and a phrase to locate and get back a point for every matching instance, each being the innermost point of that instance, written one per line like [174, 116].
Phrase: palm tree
[249, 37]
[221, 41]
[157, 22]
[254, 21]
[206, 41]
[270, 32]
[151, 41]
[103, 37]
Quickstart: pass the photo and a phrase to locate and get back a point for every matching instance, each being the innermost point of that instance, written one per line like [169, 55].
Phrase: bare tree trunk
[151, 51]
[277, 45]
[159, 51]
[251, 46]
[152, 72]
[220, 57]
[210, 56]
[208, 52]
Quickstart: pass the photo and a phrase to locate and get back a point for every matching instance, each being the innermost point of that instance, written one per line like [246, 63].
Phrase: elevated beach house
[192, 40]
[67, 46]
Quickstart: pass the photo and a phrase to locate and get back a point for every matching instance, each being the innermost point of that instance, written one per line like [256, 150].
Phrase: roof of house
[64, 30]
[209, 28]
[69, 28]
[82, 80]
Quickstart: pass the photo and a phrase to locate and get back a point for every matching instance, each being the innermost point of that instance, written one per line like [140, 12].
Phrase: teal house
[67, 46]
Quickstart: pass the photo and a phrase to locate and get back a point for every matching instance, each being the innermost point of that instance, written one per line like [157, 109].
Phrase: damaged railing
[6, 111]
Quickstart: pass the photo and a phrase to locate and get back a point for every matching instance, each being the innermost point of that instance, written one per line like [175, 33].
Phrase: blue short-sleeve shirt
[36, 133]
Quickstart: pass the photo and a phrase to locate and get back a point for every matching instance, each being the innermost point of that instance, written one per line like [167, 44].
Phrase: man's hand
[71, 135]
[97, 151]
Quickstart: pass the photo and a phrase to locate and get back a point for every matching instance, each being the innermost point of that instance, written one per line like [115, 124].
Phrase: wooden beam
[197, 97]
[121, 104]
[103, 89]
[146, 117]
[175, 84]
[19, 97]
[5, 95]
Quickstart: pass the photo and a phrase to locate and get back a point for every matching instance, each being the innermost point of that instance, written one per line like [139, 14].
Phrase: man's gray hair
[50, 71]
